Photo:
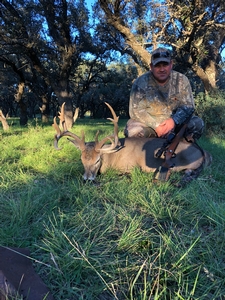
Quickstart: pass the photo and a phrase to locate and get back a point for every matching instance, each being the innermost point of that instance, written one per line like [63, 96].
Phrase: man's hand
[165, 127]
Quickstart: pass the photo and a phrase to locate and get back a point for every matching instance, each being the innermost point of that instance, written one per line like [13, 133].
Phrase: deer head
[91, 152]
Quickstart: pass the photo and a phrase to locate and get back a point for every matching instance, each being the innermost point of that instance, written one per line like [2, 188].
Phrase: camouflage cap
[160, 55]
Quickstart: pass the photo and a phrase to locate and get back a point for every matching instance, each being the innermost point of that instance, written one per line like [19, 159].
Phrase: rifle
[169, 148]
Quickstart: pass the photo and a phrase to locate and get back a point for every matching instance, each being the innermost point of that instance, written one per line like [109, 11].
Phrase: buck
[126, 153]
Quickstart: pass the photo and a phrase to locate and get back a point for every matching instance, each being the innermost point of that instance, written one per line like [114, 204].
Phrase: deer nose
[90, 176]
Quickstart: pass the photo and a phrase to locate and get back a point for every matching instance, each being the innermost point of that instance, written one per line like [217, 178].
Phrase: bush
[211, 108]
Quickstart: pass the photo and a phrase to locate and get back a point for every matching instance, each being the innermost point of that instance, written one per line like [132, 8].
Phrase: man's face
[161, 71]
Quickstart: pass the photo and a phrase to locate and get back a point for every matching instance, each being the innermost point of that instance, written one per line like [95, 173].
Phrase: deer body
[125, 154]
[140, 152]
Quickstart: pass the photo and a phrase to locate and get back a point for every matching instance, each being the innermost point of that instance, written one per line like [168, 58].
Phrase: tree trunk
[5, 124]
[208, 76]
[65, 96]
[45, 111]
[23, 106]
[211, 72]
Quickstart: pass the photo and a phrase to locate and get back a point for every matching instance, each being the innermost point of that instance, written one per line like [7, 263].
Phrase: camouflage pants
[195, 128]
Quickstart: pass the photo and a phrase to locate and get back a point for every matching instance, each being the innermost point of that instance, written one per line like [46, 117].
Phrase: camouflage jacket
[151, 103]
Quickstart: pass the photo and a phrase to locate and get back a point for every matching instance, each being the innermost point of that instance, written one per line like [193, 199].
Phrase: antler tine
[99, 144]
[80, 143]
[56, 126]
[62, 117]
[75, 116]
[114, 142]
[115, 122]
[58, 134]
[115, 118]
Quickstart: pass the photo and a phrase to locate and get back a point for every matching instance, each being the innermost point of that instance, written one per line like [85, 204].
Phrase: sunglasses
[161, 54]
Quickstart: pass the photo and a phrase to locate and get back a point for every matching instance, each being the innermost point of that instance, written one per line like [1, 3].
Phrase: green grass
[126, 238]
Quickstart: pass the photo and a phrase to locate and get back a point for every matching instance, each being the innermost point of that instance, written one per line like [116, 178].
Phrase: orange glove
[165, 127]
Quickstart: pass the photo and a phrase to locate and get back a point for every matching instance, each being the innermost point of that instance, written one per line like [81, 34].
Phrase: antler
[80, 143]
[114, 139]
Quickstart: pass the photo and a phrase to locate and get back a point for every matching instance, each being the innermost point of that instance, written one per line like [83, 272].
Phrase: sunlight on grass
[124, 238]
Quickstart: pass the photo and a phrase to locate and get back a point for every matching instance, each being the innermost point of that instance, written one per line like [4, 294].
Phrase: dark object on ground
[17, 276]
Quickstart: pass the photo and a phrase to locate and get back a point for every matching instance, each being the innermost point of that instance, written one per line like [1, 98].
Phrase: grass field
[126, 238]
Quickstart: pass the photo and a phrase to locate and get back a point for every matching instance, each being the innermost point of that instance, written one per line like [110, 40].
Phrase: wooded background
[60, 51]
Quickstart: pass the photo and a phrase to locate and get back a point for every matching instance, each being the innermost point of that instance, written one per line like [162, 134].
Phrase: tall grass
[125, 238]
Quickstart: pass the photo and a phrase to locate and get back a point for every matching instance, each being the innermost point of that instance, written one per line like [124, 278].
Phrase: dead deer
[126, 153]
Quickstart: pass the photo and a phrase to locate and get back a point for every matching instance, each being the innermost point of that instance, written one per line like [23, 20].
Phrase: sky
[89, 3]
